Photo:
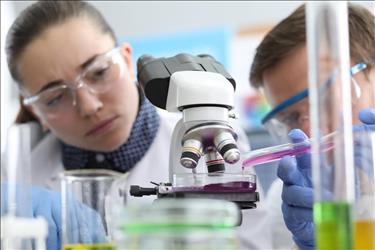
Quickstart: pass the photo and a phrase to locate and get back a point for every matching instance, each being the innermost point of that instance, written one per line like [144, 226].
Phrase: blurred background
[228, 30]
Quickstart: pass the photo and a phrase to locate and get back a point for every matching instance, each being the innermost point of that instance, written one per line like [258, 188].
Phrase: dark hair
[33, 21]
[290, 34]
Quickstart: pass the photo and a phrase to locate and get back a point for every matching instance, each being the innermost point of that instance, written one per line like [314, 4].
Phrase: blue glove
[86, 225]
[297, 194]
[367, 117]
[363, 149]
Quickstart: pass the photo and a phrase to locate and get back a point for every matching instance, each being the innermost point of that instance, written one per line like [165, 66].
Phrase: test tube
[18, 226]
[330, 111]
[275, 153]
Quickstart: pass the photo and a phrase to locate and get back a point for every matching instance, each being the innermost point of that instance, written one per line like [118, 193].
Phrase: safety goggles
[97, 78]
[294, 111]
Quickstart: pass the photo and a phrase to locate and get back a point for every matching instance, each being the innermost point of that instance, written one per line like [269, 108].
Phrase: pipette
[275, 153]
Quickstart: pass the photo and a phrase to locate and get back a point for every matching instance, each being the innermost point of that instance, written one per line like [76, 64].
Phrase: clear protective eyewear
[294, 111]
[97, 78]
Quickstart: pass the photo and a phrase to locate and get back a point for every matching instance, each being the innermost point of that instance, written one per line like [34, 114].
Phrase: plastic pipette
[275, 153]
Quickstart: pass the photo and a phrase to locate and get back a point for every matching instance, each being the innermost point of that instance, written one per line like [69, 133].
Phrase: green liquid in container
[333, 225]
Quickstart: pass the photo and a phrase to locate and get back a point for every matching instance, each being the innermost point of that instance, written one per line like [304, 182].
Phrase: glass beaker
[87, 197]
[364, 208]
[178, 224]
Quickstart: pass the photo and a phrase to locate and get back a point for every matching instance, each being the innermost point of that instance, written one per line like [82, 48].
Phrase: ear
[126, 51]
[39, 117]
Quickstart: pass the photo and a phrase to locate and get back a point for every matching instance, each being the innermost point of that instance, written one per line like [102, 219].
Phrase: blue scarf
[125, 157]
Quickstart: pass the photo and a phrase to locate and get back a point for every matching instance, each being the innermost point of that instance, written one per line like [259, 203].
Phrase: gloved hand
[367, 117]
[297, 194]
[363, 150]
[86, 225]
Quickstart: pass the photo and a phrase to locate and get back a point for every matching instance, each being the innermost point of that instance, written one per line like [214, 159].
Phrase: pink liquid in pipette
[275, 156]
[299, 150]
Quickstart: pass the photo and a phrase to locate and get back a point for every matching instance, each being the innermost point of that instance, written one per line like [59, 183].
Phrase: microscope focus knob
[227, 147]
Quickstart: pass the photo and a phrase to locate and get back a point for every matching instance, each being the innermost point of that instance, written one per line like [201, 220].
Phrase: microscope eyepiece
[143, 60]
[227, 147]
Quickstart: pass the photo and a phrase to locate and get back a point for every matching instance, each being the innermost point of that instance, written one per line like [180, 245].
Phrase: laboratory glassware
[275, 153]
[19, 229]
[87, 197]
[364, 207]
[178, 224]
[330, 111]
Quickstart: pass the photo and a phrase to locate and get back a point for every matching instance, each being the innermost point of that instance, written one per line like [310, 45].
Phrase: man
[280, 71]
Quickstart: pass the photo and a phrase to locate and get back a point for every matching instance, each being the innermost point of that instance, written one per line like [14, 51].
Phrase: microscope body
[204, 98]
[201, 89]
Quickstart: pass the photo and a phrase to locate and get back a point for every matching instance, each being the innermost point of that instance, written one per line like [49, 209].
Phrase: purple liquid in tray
[226, 187]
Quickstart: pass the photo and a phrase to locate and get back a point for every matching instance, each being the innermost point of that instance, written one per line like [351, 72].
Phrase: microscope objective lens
[227, 147]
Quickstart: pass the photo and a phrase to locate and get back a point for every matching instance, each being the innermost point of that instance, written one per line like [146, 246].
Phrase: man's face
[290, 76]
[285, 80]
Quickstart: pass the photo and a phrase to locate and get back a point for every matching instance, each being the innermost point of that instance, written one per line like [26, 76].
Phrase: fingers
[288, 171]
[298, 196]
[297, 135]
[299, 221]
[53, 238]
[367, 116]
[364, 127]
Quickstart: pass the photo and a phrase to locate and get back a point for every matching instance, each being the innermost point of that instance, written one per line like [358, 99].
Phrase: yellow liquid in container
[364, 234]
[98, 246]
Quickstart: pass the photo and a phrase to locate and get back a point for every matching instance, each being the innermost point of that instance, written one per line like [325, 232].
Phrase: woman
[79, 87]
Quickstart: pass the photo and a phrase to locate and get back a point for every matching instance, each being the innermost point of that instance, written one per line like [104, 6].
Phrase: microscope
[202, 90]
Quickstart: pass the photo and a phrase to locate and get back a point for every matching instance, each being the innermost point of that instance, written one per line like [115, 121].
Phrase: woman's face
[99, 121]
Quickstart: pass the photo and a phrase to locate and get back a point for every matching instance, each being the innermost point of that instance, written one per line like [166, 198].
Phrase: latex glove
[363, 142]
[363, 151]
[367, 117]
[86, 226]
[297, 194]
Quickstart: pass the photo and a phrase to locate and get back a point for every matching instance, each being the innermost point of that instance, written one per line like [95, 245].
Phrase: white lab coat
[46, 166]
[281, 237]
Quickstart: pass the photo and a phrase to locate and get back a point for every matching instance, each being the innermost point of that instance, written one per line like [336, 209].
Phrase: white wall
[135, 18]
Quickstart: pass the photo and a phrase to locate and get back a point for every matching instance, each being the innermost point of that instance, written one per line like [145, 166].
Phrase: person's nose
[305, 127]
[88, 103]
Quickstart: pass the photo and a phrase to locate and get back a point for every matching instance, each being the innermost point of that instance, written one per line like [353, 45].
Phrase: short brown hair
[290, 34]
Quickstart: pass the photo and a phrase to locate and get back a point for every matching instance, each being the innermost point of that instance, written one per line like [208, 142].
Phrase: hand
[364, 144]
[297, 194]
[367, 117]
[363, 141]
[85, 227]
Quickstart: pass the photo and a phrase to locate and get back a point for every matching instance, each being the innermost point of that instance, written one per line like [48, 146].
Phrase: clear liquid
[333, 225]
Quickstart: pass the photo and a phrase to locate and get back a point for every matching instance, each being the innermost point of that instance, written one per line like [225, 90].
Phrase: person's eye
[98, 74]
[54, 101]
[291, 119]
